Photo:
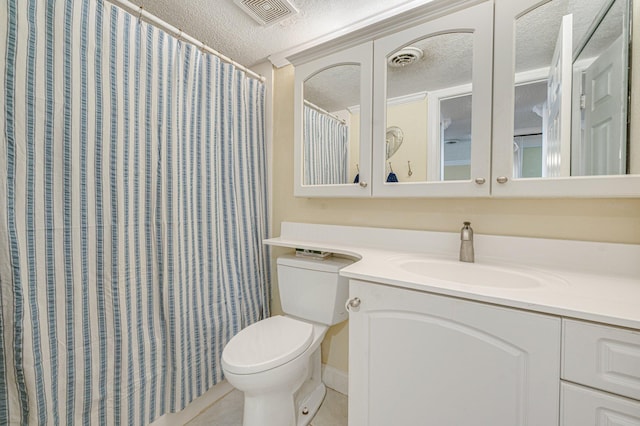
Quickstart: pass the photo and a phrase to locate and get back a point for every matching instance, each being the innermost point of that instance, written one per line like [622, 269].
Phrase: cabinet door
[587, 407]
[432, 93]
[332, 124]
[422, 359]
[572, 140]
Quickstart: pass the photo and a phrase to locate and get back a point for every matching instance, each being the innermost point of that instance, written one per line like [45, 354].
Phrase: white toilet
[276, 361]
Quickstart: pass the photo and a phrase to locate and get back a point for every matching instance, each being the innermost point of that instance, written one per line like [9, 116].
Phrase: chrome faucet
[466, 243]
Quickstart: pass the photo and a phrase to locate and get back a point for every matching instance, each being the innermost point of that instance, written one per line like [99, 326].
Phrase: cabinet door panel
[417, 358]
[332, 124]
[442, 101]
[587, 407]
[579, 167]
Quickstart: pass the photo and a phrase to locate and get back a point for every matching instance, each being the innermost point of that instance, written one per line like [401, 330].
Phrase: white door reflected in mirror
[580, 51]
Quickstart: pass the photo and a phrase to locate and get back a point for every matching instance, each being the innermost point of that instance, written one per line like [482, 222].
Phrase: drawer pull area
[602, 357]
[582, 406]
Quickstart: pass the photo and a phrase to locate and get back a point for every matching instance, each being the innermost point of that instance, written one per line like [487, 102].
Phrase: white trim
[384, 24]
[280, 59]
[452, 92]
[532, 76]
[435, 170]
[413, 97]
[354, 109]
[197, 406]
[335, 379]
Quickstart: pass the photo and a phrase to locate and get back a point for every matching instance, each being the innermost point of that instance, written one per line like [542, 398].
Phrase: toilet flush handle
[353, 304]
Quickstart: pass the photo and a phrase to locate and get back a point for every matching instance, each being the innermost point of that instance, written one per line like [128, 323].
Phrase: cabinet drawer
[602, 357]
[587, 407]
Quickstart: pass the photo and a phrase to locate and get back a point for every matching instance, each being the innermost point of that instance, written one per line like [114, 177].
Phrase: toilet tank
[311, 288]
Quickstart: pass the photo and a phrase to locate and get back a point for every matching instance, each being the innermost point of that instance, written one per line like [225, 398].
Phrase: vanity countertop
[584, 280]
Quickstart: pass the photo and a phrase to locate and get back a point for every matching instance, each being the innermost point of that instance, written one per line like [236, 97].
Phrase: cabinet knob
[363, 184]
[353, 304]
[502, 179]
[480, 180]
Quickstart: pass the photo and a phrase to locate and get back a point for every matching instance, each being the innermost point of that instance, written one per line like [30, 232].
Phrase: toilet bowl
[270, 378]
[276, 361]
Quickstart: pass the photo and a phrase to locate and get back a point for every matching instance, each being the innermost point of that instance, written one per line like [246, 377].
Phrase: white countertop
[590, 281]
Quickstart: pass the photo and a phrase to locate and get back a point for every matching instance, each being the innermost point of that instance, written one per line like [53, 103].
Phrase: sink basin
[476, 274]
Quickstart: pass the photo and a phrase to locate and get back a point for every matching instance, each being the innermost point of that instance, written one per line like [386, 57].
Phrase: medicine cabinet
[333, 124]
[504, 98]
[562, 127]
[434, 80]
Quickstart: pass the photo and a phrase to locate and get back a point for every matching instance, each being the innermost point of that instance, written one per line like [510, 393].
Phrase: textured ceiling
[223, 26]
[536, 31]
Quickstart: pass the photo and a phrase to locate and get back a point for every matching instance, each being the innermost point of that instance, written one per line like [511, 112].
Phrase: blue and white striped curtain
[132, 213]
[326, 147]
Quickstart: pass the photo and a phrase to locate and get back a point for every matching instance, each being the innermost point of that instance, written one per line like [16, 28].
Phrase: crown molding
[391, 21]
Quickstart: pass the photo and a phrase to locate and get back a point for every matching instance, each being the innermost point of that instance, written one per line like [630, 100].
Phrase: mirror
[571, 90]
[331, 126]
[429, 98]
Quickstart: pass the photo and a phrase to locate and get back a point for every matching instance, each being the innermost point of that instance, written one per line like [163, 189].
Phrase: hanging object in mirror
[394, 139]
[392, 177]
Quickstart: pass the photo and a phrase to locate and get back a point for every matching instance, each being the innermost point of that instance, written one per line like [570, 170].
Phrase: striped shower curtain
[326, 148]
[132, 210]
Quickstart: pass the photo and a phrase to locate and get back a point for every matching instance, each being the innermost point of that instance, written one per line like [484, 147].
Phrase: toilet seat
[266, 344]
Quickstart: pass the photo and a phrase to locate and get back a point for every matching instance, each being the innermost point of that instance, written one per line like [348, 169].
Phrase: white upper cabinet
[561, 95]
[468, 98]
[432, 107]
[332, 119]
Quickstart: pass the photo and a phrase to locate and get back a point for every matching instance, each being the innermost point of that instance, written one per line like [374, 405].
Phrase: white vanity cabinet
[601, 375]
[417, 358]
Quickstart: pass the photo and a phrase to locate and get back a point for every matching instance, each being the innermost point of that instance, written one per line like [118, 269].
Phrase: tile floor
[228, 411]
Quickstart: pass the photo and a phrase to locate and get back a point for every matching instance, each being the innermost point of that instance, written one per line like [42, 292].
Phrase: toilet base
[276, 408]
[309, 407]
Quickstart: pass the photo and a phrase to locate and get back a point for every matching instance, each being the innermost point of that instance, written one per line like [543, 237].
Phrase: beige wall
[609, 220]
[411, 117]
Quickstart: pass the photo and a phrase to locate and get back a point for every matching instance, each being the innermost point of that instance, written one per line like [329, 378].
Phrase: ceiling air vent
[267, 12]
[404, 57]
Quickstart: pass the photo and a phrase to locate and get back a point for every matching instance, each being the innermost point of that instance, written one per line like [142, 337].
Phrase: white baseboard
[335, 379]
[196, 406]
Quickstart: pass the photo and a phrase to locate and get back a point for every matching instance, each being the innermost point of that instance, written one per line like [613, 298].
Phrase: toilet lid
[266, 344]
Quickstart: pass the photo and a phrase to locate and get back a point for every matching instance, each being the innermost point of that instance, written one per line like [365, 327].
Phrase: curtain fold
[133, 188]
[326, 149]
